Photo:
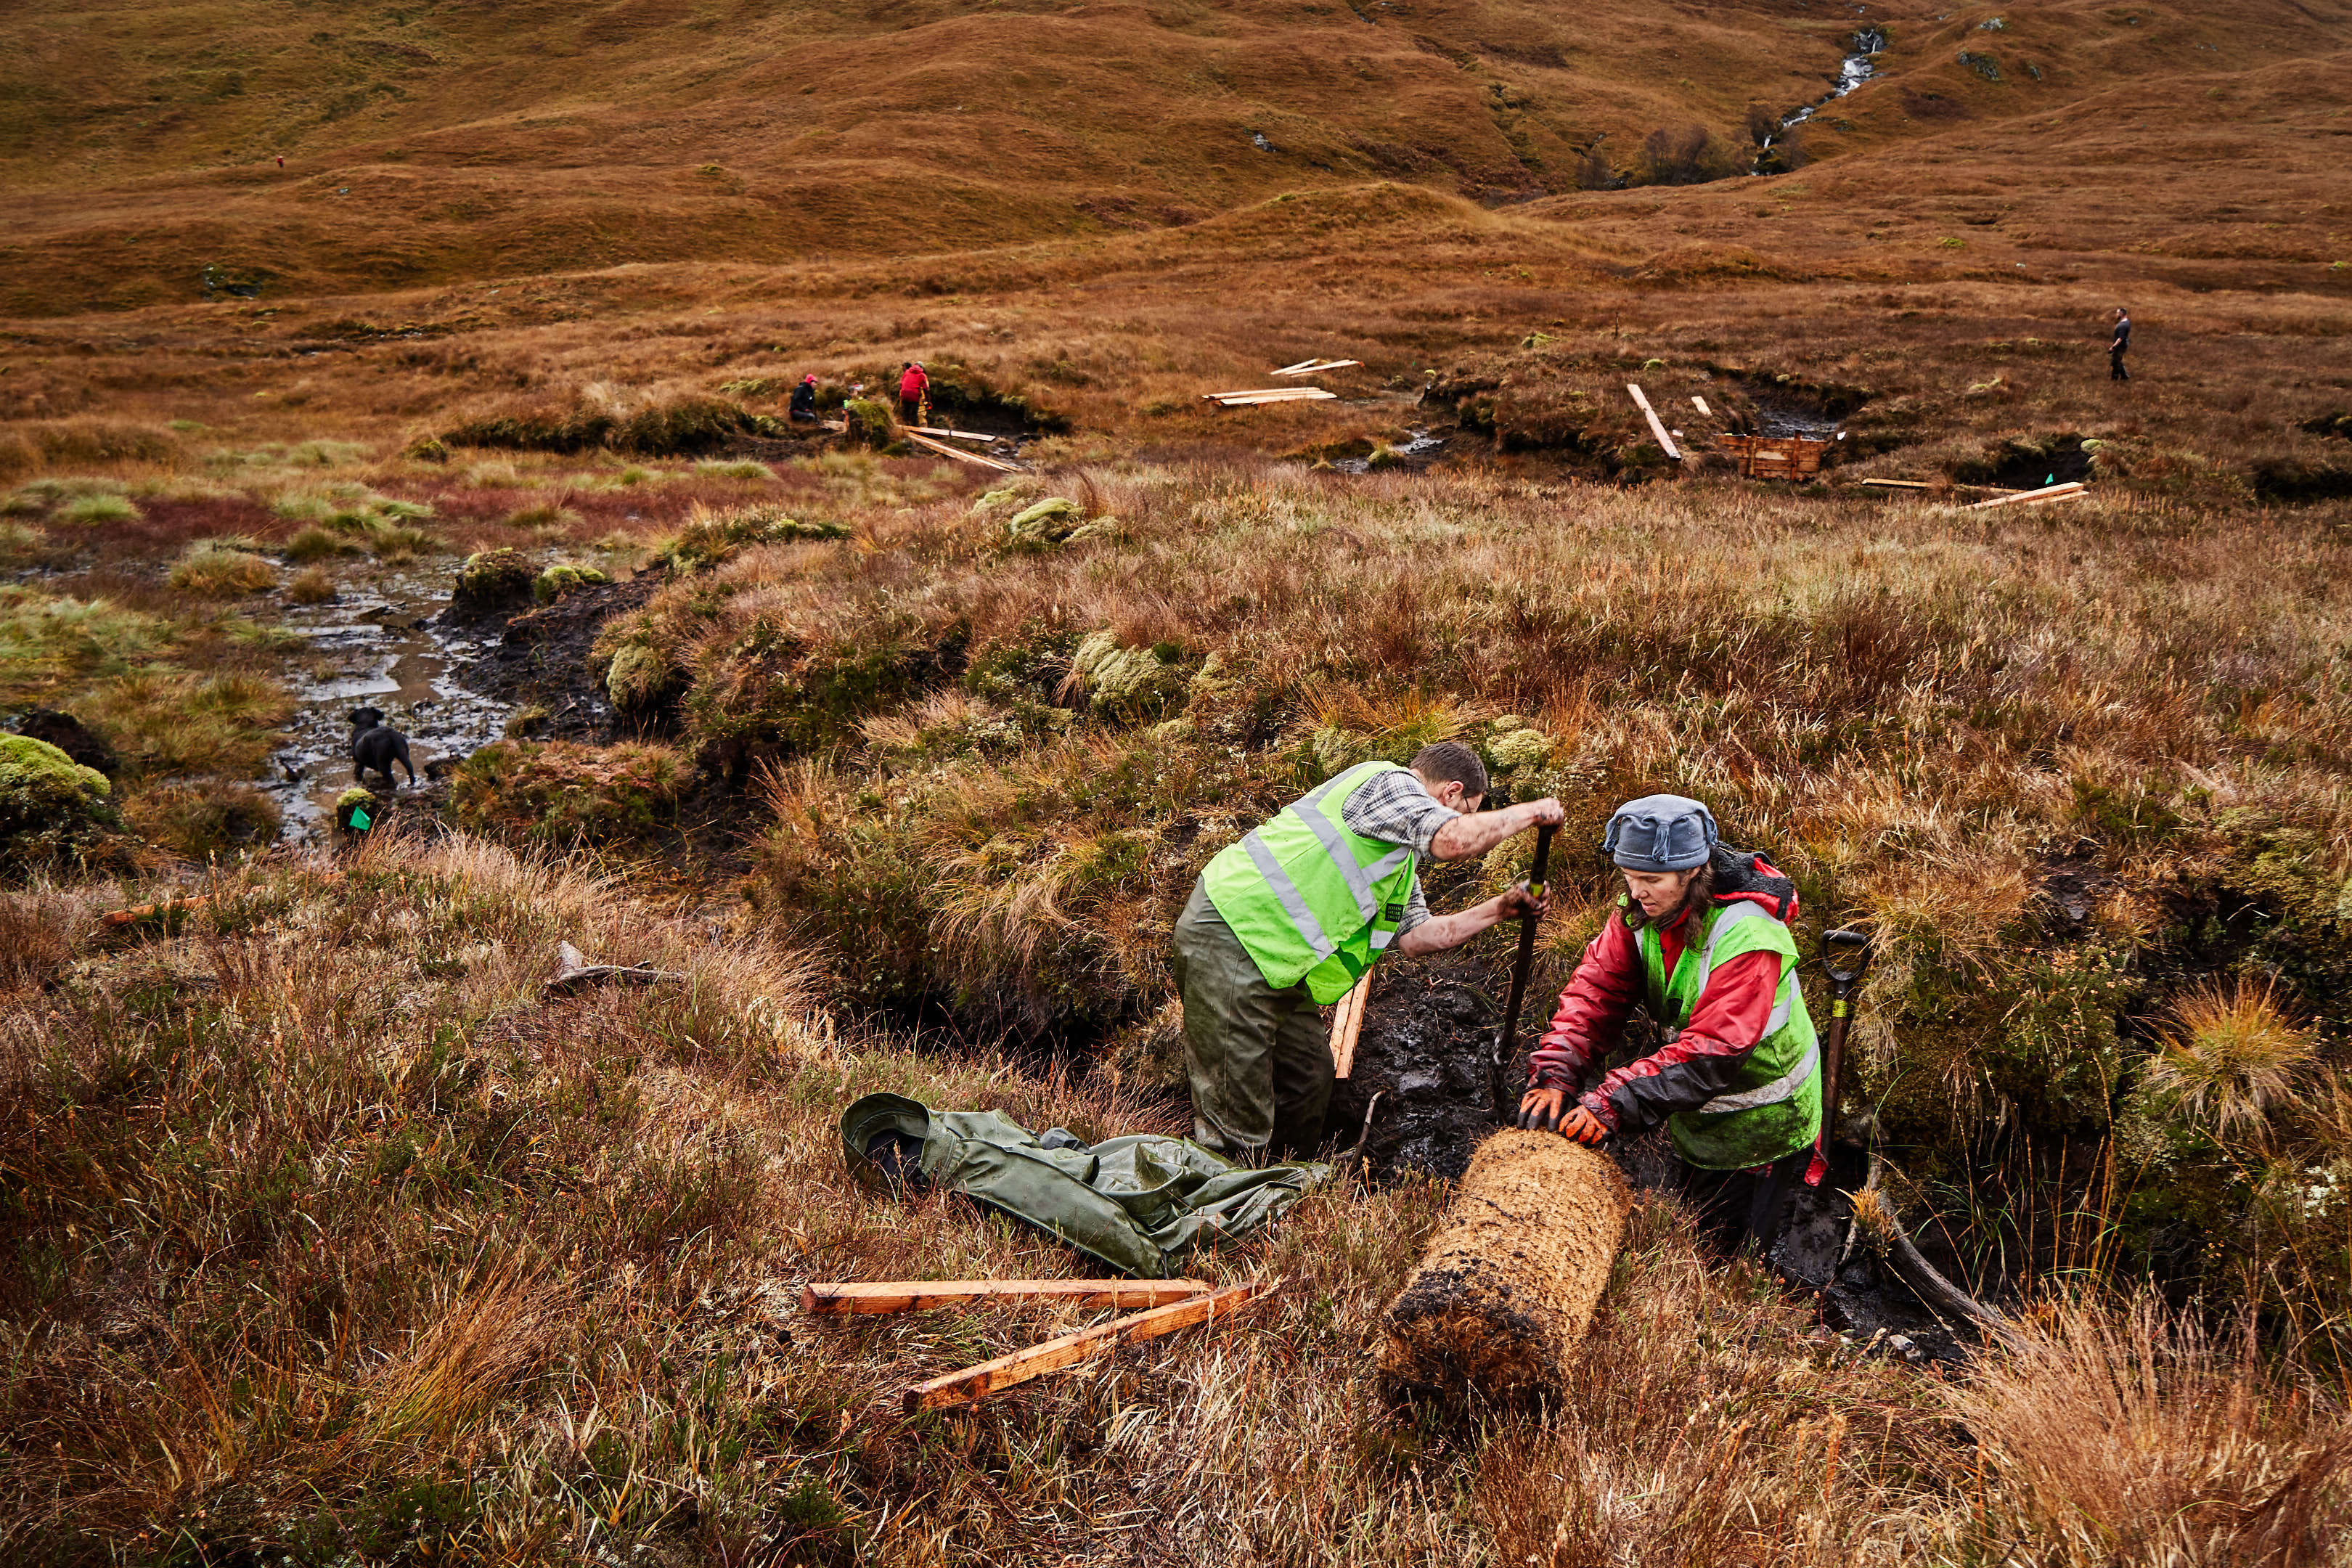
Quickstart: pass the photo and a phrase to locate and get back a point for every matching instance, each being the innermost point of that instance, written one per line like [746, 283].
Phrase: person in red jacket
[1737, 1078]
[914, 391]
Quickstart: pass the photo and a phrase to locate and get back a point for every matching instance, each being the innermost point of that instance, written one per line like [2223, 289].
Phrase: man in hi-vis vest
[1291, 916]
[1701, 940]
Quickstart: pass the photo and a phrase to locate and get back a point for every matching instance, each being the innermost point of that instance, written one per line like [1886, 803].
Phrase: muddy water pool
[378, 644]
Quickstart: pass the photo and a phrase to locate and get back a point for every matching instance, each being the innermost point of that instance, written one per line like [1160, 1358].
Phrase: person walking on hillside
[914, 391]
[1290, 917]
[1701, 938]
[804, 400]
[2120, 347]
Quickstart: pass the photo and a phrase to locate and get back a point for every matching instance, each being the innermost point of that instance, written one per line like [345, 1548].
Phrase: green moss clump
[492, 580]
[870, 423]
[639, 677]
[1129, 683]
[52, 809]
[1520, 748]
[1049, 521]
[565, 577]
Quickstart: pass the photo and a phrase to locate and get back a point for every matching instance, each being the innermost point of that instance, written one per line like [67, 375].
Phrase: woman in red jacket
[914, 388]
[1701, 940]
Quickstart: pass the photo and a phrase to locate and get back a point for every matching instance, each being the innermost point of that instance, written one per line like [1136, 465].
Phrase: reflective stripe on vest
[1311, 899]
[1294, 903]
[1360, 880]
[1732, 915]
[1779, 1088]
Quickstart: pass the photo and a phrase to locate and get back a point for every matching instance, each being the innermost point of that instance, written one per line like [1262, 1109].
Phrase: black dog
[373, 746]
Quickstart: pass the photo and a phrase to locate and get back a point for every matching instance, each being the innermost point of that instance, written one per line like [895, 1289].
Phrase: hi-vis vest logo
[1394, 912]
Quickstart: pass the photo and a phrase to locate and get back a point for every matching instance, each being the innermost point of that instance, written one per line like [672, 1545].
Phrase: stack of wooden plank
[1775, 456]
[1268, 395]
[1315, 367]
[1171, 1304]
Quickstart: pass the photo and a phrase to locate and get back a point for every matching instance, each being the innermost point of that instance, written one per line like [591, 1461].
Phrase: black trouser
[911, 409]
[2115, 371]
[1739, 1209]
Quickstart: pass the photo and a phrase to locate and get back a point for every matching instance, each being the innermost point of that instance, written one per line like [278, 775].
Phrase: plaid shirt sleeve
[1396, 808]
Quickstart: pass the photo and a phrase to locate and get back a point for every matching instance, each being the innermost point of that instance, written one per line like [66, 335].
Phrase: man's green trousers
[1259, 1060]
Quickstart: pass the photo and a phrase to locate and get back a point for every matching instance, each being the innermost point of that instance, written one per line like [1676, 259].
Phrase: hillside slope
[436, 142]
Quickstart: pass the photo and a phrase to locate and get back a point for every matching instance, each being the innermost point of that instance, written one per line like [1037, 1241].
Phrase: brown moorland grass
[335, 1238]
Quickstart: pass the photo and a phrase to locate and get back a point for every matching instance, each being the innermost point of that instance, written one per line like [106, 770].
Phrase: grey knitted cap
[1661, 833]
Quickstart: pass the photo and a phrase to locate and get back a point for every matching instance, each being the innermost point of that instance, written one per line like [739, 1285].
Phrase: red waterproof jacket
[1700, 1063]
[914, 383]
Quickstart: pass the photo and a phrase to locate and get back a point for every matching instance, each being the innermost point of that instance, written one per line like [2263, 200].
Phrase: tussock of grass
[87, 511]
[215, 570]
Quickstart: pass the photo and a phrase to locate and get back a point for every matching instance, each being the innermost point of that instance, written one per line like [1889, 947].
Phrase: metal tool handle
[1845, 954]
[1507, 1039]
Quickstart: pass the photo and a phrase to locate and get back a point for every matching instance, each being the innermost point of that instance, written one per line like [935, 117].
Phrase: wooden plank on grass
[1318, 366]
[834, 1298]
[1249, 399]
[960, 456]
[1006, 1371]
[1700, 403]
[2048, 492]
[951, 435]
[1657, 425]
[1347, 1022]
[1898, 484]
[1288, 369]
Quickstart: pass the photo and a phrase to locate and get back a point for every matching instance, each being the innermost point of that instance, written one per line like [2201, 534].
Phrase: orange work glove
[1583, 1127]
[1540, 1109]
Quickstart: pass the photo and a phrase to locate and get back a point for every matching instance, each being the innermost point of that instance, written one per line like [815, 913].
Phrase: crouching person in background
[1290, 917]
[1701, 940]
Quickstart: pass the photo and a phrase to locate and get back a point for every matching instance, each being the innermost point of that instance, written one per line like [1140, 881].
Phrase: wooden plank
[2048, 492]
[1347, 1023]
[1252, 399]
[960, 456]
[1898, 484]
[1700, 403]
[1007, 1371]
[1269, 394]
[1287, 369]
[952, 435]
[1657, 425]
[1317, 367]
[834, 1297]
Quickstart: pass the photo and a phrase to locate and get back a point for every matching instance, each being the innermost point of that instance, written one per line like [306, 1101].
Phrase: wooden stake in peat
[1347, 1022]
[1006, 1371]
[1508, 1286]
[835, 1298]
[1657, 425]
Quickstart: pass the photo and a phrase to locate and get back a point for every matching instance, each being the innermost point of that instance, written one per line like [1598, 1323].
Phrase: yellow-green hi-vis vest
[1309, 900]
[1773, 1106]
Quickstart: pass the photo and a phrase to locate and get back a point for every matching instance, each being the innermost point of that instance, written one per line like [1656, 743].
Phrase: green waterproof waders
[1258, 1059]
[1141, 1204]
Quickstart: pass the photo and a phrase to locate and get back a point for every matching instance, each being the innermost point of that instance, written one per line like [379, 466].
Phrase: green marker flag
[361, 820]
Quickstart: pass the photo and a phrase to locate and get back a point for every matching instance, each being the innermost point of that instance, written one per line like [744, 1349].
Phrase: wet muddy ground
[379, 645]
[1427, 1034]
[450, 685]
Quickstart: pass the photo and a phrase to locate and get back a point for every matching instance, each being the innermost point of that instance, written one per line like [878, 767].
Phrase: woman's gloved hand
[1584, 1126]
[1541, 1109]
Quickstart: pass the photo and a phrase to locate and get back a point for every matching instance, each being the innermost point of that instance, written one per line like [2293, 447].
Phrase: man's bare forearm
[1467, 837]
[1439, 932]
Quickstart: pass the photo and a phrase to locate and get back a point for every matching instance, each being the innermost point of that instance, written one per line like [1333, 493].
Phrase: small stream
[1858, 67]
[378, 644]
[1418, 449]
